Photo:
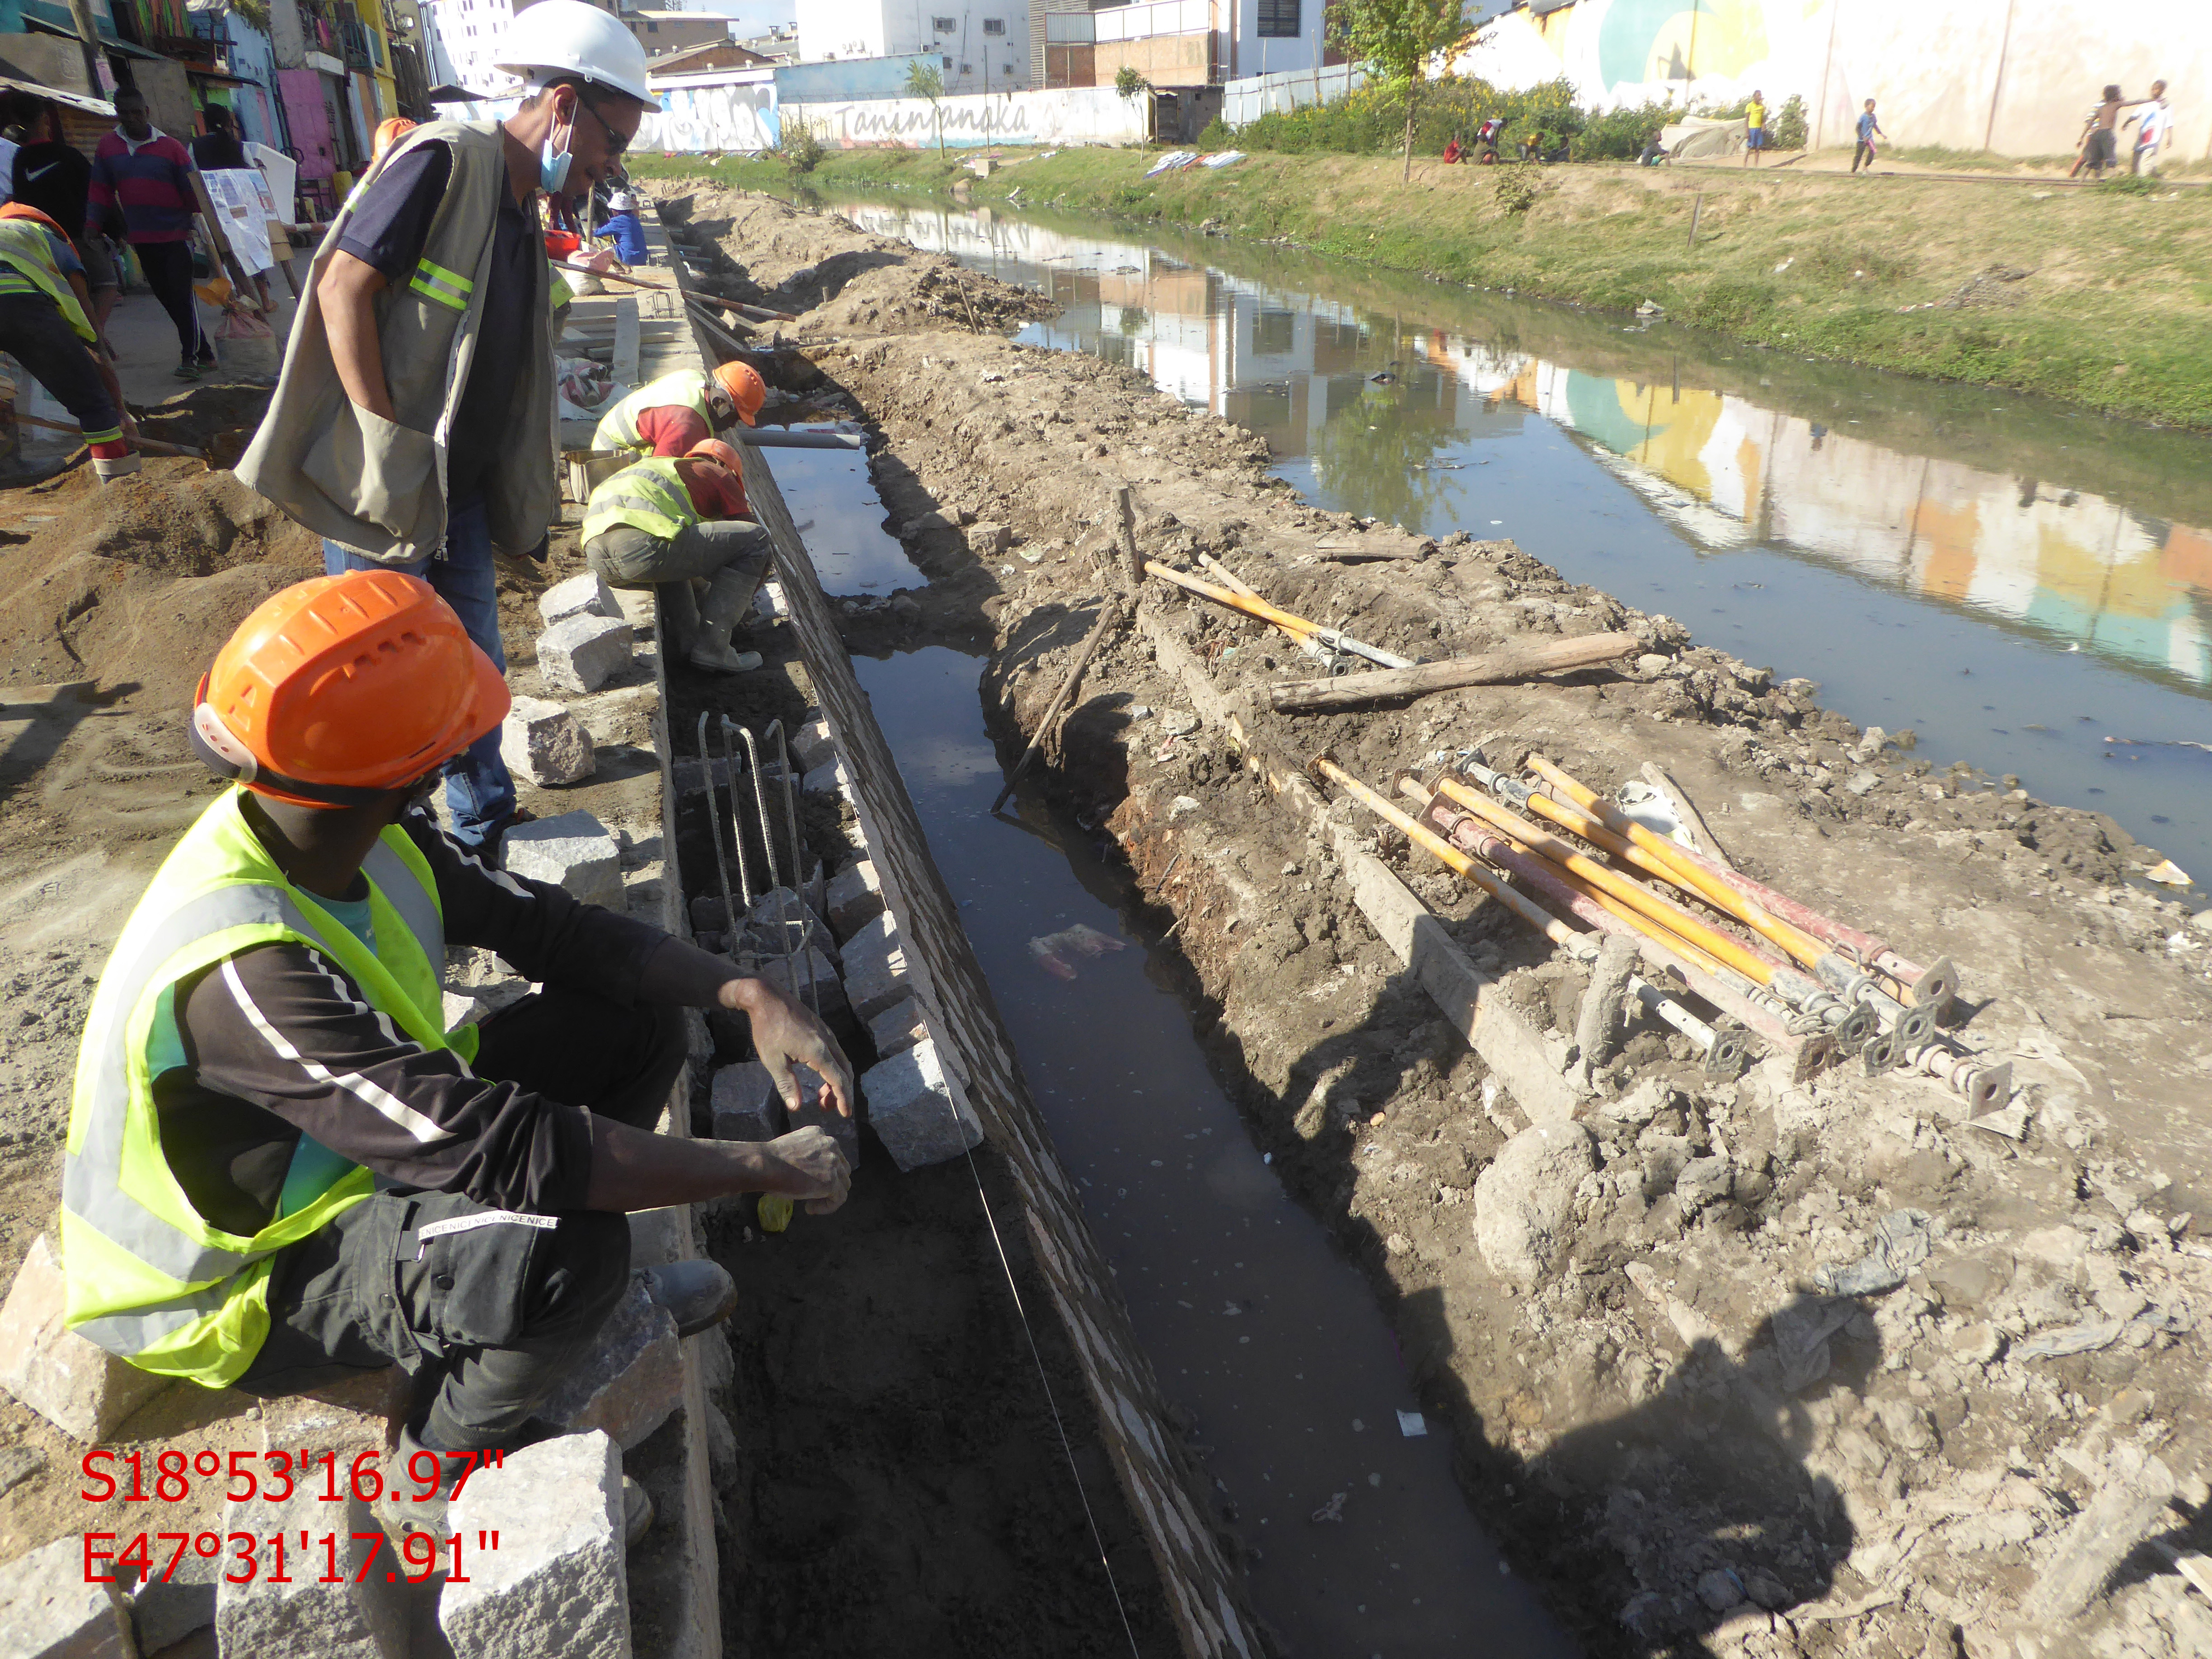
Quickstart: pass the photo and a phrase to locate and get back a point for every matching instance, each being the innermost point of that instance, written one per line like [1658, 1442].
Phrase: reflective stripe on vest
[165, 1290]
[649, 496]
[448, 288]
[685, 388]
[29, 268]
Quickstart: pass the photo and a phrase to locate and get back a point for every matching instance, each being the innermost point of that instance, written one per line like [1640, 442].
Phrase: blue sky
[751, 16]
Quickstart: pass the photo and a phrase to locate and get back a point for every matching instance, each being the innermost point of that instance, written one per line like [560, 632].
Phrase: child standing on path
[1867, 127]
[1754, 126]
[2150, 137]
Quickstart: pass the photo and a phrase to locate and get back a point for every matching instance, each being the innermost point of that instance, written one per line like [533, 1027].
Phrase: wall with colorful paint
[2012, 76]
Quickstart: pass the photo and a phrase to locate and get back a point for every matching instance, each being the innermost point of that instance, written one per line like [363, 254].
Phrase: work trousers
[486, 1320]
[168, 267]
[35, 332]
[479, 789]
[625, 556]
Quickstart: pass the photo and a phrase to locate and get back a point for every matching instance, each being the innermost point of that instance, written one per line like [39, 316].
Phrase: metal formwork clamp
[1985, 1087]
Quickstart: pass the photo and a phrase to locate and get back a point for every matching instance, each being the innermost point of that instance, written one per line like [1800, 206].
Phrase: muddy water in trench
[1251, 1320]
[2026, 587]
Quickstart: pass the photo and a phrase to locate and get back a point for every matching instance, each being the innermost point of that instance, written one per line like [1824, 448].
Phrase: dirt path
[1675, 1427]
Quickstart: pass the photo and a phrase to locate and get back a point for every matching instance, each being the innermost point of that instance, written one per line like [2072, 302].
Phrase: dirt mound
[834, 276]
[137, 582]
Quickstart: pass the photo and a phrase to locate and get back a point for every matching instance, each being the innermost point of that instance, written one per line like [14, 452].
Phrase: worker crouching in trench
[664, 523]
[283, 1169]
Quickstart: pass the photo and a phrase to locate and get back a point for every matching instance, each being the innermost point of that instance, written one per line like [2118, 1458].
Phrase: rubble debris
[2130, 1501]
[1524, 1201]
[1901, 1242]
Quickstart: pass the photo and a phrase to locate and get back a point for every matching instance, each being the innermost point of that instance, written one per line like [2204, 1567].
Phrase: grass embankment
[2115, 314]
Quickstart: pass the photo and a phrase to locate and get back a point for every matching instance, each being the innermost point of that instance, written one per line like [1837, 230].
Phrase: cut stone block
[897, 1030]
[812, 743]
[48, 1612]
[831, 778]
[856, 898]
[875, 968]
[987, 540]
[82, 1390]
[630, 1381]
[573, 851]
[747, 1104]
[584, 653]
[916, 1111]
[542, 741]
[344, 1417]
[558, 1581]
[343, 1620]
[811, 1114]
[163, 1614]
[794, 926]
[587, 595]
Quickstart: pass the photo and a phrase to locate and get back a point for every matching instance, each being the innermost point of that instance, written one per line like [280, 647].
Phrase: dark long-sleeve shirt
[278, 1042]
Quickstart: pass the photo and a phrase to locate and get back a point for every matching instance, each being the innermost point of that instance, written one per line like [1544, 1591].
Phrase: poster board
[243, 202]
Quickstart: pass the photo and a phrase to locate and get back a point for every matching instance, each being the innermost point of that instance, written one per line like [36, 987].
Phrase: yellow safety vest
[26, 266]
[149, 1279]
[686, 388]
[648, 496]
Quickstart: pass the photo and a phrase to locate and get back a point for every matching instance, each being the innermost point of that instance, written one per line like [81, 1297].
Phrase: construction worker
[669, 416]
[282, 1169]
[663, 523]
[414, 426]
[45, 326]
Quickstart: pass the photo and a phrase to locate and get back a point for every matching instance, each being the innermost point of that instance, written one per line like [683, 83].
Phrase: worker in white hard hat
[414, 425]
[622, 224]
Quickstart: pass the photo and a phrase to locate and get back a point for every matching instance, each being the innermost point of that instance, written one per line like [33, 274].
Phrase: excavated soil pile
[1770, 1366]
[834, 275]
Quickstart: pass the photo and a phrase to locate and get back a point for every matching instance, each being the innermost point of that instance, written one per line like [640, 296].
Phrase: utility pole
[88, 35]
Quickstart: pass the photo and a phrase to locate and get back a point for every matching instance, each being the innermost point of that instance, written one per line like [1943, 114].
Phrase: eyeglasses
[616, 142]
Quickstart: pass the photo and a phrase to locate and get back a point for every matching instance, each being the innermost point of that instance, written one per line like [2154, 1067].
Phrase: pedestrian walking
[284, 1170]
[149, 175]
[413, 427]
[2152, 128]
[1754, 127]
[1869, 128]
[53, 176]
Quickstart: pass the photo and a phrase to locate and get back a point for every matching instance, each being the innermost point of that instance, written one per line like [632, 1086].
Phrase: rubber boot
[122, 466]
[679, 617]
[728, 596]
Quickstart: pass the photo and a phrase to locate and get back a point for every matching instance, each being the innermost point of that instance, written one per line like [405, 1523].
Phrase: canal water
[1364, 1544]
[2027, 589]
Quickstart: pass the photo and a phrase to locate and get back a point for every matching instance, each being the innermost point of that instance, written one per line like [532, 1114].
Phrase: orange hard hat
[714, 450]
[389, 131]
[339, 691]
[744, 388]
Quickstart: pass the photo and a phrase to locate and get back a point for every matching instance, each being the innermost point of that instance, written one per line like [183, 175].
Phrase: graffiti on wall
[1063, 115]
[696, 119]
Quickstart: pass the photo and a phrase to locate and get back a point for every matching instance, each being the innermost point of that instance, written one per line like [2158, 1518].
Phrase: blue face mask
[553, 164]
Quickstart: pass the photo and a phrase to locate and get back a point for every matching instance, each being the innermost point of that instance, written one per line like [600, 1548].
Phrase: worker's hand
[786, 1033]
[129, 426]
[808, 1165]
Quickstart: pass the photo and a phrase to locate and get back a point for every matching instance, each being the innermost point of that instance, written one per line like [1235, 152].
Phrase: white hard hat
[567, 37]
[621, 201]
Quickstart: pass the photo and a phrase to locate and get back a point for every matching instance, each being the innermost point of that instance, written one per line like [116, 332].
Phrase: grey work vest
[379, 486]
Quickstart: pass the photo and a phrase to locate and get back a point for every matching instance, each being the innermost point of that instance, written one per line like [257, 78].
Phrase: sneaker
[187, 371]
[699, 1293]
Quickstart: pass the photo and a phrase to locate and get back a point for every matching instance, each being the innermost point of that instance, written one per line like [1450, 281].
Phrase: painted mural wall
[698, 119]
[2014, 75]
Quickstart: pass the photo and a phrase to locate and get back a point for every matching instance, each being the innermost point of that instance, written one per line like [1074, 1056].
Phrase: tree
[1399, 42]
[926, 80]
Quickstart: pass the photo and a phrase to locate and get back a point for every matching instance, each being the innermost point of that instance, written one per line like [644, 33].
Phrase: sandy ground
[1680, 1428]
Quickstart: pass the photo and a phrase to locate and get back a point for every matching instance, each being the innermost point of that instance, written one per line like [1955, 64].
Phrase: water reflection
[1379, 408]
[2016, 581]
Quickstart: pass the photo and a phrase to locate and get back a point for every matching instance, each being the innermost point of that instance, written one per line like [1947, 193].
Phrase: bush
[1788, 129]
[798, 148]
[1518, 188]
[1621, 134]
[1372, 120]
[1217, 135]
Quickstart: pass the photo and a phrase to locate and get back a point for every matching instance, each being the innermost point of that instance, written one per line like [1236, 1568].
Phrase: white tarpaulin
[1695, 138]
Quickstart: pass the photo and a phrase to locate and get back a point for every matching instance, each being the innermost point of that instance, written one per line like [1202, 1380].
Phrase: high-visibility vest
[686, 388]
[149, 1279]
[648, 496]
[26, 266]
